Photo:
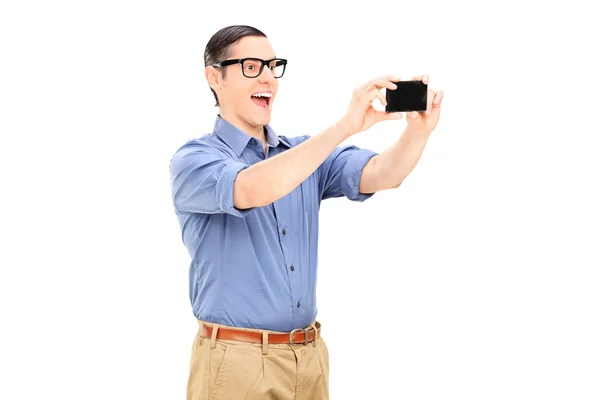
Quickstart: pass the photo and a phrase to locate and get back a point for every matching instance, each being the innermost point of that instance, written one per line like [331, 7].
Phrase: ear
[213, 77]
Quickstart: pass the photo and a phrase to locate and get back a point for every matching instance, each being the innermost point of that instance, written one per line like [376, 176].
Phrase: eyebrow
[268, 58]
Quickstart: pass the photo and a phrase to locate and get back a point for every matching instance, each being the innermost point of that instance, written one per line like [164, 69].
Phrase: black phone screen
[408, 96]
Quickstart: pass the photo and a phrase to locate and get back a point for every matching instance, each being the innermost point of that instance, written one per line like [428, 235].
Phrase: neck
[257, 132]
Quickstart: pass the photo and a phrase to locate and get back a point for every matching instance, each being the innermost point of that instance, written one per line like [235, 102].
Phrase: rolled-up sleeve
[341, 172]
[202, 181]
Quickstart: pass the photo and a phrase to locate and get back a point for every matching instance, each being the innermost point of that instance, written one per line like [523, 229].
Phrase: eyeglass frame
[241, 61]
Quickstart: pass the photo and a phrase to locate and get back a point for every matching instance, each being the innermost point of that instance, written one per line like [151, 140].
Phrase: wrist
[344, 128]
[415, 133]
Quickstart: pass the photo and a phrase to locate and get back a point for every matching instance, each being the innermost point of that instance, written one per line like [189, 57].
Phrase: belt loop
[265, 342]
[200, 333]
[314, 326]
[213, 337]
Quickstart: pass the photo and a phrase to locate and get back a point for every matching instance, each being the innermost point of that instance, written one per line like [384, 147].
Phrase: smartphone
[408, 96]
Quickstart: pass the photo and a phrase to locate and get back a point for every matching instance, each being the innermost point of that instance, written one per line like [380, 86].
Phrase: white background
[477, 279]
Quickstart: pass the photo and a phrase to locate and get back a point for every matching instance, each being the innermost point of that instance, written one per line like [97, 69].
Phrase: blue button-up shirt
[254, 268]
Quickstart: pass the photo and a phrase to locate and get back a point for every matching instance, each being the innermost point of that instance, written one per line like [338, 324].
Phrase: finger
[372, 95]
[386, 81]
[422, 78]
[430, 97]
[437, 101]
[366, 101]
[382, 98]
[387, 116]
[413, 114]
[376, 94]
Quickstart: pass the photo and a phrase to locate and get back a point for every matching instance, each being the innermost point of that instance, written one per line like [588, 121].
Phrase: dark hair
[219, 46]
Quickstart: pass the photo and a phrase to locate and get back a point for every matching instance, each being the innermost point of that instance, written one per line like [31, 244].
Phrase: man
[247, 200]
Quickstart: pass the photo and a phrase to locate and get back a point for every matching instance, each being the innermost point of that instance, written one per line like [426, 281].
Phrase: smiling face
[246, 102]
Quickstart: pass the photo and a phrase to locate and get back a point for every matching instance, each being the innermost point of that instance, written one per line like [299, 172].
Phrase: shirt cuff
[224, 188]
[352, 173]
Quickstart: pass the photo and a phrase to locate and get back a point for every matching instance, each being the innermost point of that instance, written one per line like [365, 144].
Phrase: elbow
[251, 196]
[397, 185]
[246, 195]
[242, 198]
[181, 200]
[391, 185]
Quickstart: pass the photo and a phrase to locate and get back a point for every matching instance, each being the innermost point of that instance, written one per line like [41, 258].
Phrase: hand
[360, 114]
[425, 121]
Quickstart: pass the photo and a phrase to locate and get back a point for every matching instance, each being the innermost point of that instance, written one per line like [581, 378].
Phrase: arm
[389, 169]
[206, 181]
[340, 174]
[275, 177]
[202, 180]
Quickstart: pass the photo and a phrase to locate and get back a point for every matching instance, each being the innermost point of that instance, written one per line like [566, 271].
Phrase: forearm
[388, 169]
[275, 177]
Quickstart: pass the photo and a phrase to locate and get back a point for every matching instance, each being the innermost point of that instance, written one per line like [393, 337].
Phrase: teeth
[262, 95]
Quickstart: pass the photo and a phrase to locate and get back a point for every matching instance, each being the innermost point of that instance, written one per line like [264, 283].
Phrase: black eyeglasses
[253, 67]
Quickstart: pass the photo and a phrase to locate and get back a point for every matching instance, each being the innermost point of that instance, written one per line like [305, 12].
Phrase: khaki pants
[232, 370]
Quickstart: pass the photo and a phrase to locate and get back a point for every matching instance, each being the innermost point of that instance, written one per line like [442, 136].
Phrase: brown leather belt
[297, 336]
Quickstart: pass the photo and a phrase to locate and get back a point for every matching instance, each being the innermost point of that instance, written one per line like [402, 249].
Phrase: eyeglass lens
[252, 68]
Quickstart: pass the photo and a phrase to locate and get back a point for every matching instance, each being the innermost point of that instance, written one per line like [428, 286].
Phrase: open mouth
[262, 99]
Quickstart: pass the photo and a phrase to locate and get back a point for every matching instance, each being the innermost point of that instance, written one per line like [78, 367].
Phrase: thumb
[388, 116]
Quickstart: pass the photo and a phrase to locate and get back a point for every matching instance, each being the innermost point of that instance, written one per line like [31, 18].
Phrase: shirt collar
[237, 140]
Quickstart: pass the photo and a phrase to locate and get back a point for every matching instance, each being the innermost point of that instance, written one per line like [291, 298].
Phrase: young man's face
[247, 102]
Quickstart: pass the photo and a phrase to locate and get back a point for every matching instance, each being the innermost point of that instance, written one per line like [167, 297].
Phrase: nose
[266, 76]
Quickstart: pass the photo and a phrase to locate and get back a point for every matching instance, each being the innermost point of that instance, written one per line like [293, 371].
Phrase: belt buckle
[293, 332]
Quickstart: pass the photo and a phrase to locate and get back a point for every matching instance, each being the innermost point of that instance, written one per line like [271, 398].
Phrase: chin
[261, 120]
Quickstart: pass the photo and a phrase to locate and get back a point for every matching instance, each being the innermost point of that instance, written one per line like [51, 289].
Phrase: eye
[251, 65]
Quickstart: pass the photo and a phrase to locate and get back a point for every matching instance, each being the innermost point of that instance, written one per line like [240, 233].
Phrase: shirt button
[298, 304]
[283, 231]
[292, 267]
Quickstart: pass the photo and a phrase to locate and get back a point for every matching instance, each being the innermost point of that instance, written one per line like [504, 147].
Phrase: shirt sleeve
[340, 173]
[202, 181]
